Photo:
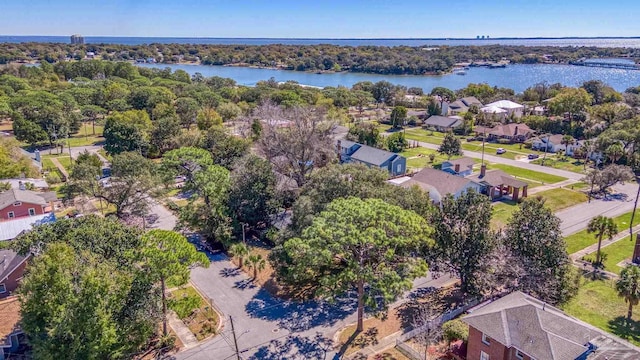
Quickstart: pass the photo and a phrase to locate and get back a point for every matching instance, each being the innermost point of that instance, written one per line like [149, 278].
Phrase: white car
[500, 151]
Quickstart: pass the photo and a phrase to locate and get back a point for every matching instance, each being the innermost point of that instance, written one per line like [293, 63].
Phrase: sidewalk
[182, 331]
[605, 242]
[58, 165]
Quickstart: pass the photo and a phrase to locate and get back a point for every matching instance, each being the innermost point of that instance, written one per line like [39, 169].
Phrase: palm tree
[566, 141]
[239, 250]
[628, 287]
[257, 263]
[614, 152]
[601, 226]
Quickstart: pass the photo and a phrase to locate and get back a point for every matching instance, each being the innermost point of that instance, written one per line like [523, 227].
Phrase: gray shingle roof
[464, 162]
[497, 177]
[443, 182]
[371, 155]
[533, 327]
[437, 120]
[26, 196]
[9, 260]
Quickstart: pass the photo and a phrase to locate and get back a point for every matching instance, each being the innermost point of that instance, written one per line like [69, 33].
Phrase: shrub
[455, 330]
[53, 178]
[504, 141]
[184, 306]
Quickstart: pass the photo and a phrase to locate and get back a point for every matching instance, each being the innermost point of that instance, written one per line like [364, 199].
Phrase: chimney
[516, 131]
[483, 170]
[457, 168]
[636, 252]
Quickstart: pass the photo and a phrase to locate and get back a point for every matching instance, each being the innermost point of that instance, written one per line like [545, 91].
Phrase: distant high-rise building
[77, 39]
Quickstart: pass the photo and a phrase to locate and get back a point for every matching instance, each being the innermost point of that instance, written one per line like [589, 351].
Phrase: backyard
[598, 304]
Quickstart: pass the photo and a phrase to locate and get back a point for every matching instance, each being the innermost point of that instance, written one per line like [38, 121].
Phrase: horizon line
[348, 38]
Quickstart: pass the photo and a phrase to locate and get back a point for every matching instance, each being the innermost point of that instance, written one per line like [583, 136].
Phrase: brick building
[521, 327]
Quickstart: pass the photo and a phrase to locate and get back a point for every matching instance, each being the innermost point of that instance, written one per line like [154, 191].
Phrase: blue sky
[321, 19]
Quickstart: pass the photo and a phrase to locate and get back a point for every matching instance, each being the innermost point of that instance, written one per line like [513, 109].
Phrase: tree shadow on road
[230, 272]
[244, 284]
[299, 316]
[295, 347]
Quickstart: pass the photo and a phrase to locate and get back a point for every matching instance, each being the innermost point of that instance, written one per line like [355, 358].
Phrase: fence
[412, 353]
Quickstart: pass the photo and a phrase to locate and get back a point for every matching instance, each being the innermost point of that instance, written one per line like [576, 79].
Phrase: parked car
[500, 151]
[533, 156]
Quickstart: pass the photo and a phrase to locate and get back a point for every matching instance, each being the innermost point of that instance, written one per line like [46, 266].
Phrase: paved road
[521, 164]
[269, 328]
[577, 217]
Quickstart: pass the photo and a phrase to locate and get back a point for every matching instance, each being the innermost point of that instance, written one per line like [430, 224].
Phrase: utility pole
[633, 214]
[235, 340]
[546, 148]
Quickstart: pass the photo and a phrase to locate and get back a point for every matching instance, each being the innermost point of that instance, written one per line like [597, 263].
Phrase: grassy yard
[617, 252]
[418, 158]
[598, 304]
[556, 199]
[560, 198]
[582, 239]
[85, 136]
[194, 311]
[526, 174]
[501, 214]
[566, 163]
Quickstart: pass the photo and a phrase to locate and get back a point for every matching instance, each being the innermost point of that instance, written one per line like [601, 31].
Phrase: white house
[510, 107]
[554, 144]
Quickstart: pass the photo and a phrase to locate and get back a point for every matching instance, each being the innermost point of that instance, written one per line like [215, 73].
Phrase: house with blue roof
[353, 152]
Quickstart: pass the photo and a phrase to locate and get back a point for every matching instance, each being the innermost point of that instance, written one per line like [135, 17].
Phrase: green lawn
[558, 199]
[567, 163]
[582, 239]
[527, 174]
[597, 303]
[418, 158]
[501, 214]
[85, 136]
[617, 252]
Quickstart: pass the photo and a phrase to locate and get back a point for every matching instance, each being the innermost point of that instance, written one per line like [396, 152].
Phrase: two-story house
[16, 203]
[521, 327]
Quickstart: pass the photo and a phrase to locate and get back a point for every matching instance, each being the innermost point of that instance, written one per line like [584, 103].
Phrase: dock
[606, 64]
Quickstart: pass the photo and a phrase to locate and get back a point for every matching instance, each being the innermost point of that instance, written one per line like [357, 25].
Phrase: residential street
[521, 164]
[268, 328]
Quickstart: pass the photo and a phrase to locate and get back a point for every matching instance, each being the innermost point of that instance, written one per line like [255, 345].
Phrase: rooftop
[505, 104]
[437, 120]
[464, 162]
[431, 179]
[542, 331]
[371, 155]
[26, 196]
[10, 315]
[497, 177]
[9, 260]
[12, 228]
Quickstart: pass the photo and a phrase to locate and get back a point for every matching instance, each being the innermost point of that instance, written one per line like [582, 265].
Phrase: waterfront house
[461, 167]
[511, 108]
[10, 332]
[12, 268]
[16, 203]
[515, 133]
[442, 123]
[521, 327]
[461, 105]
[440, 183]
[352, 152]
